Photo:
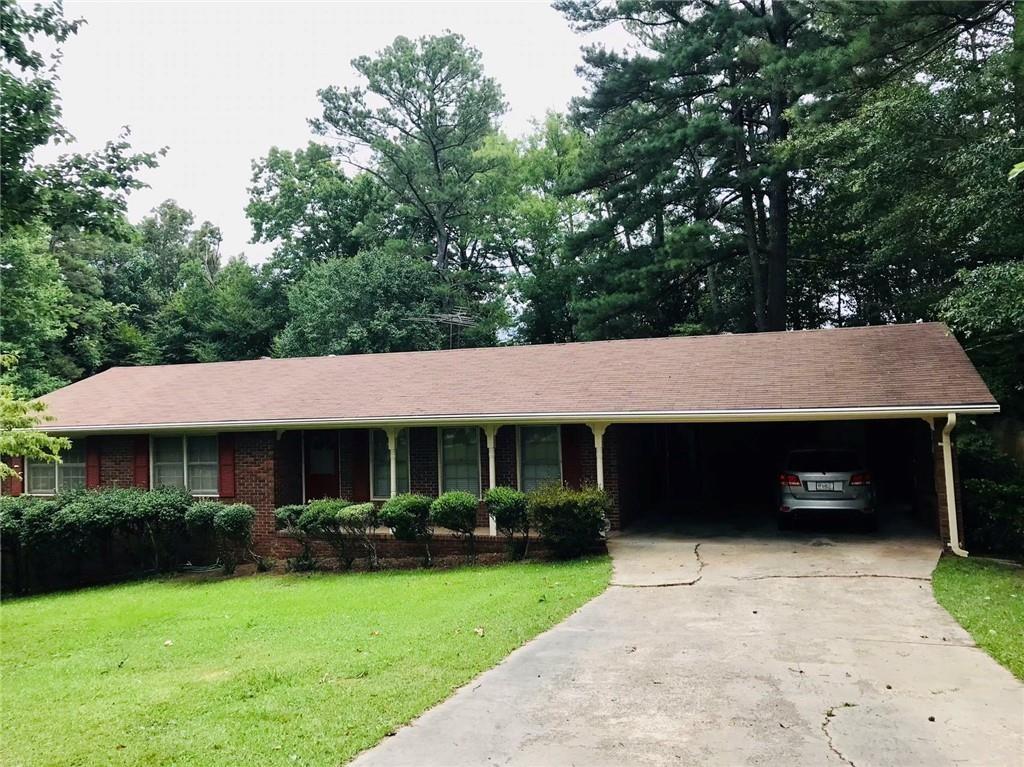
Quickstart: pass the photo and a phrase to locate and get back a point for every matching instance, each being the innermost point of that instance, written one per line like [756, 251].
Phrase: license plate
[830, 486]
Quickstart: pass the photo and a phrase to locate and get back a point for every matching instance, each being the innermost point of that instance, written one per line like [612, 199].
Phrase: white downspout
[947, 465]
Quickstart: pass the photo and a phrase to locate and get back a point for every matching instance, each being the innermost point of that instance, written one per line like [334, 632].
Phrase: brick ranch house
[676, 426]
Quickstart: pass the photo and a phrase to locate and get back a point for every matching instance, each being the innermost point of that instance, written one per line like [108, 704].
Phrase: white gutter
[661, 416]
[947, 465]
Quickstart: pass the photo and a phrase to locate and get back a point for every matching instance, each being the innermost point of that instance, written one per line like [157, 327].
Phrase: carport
[683, 472]
[892, 394]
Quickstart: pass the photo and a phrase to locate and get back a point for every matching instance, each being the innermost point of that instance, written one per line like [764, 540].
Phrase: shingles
[881, 366]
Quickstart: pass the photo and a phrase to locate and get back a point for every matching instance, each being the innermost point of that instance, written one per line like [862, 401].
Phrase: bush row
[53, 539]
[571, 522]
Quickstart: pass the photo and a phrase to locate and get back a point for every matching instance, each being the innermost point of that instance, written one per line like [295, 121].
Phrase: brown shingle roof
[883, 367]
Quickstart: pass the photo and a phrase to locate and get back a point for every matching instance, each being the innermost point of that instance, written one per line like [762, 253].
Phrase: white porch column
[598, 429]
[947, 469]
[491, 431]
[392, 433]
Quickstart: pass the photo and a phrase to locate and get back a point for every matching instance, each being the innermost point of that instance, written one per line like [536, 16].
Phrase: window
[44, 478]
[380, 463]
[203, 465]
[540, 456]
[190, 462]
[460, 460]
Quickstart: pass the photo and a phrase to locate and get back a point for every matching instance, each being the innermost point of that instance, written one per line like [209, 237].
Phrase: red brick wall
[505, 456]
[117, 460]
[423, 460]
[254, 482]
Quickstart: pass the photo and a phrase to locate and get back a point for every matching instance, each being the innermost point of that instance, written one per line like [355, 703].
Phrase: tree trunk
[757, 275]
[778, 184]
[441, 255]
[749, 219]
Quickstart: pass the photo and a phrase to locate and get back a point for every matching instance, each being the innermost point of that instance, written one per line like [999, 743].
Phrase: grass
[987, 598]
[291, 670]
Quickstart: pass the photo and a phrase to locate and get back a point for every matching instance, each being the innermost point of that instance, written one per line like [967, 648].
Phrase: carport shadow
[760, 524]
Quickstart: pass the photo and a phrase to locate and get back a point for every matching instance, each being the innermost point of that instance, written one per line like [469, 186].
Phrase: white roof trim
[668, 416]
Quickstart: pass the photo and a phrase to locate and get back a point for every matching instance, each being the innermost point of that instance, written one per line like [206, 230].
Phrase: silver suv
[830, 481]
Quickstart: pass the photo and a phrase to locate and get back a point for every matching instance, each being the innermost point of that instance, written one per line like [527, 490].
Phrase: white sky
[220, 83]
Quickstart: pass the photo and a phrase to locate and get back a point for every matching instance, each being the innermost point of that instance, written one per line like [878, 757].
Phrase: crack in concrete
[831, 712]
[700, 574]
[833, 575]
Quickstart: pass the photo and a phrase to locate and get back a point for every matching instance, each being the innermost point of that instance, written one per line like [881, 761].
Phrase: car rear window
[823, 460]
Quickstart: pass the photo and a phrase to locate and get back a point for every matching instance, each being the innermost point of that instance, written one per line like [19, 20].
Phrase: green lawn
[261, 670]
[987, 598]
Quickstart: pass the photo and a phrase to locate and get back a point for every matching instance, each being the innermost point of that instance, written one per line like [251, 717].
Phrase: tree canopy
[741, 166]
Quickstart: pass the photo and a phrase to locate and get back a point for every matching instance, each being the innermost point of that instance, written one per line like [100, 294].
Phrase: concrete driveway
[738, 651]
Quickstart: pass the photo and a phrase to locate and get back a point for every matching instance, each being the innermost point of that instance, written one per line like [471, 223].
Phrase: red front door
[322, 480]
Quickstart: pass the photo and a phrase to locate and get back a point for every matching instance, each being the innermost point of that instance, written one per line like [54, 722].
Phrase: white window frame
[519, 455]
[26, 469]
[440, 460]
[184, 459]
[408, 462]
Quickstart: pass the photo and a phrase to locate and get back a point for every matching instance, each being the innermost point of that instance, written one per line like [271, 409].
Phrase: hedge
[84, 535]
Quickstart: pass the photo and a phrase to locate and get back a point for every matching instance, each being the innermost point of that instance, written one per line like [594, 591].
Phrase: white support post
[491, 431]
[598, 429]
[302, 439]
[392, 433]
[947, 467]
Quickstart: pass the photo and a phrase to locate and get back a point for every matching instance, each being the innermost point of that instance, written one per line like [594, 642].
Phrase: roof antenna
[458, 318]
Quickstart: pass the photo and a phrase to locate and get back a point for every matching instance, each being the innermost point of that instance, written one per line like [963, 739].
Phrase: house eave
[667, 416]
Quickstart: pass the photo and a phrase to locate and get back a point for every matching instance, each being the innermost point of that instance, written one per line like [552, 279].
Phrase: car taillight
[860, 479]
[789, 480]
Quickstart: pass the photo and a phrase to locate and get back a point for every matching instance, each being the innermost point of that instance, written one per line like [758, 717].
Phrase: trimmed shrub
[287, 516]
[232, 526]
[321, 516]
[360, 521]
[12, 514]
[456, 511]
[320, 520]
[161, 512]
[200, 515]
[287, 521]
[572, 522]
[509, 508]
[408, 516]
[229, 525]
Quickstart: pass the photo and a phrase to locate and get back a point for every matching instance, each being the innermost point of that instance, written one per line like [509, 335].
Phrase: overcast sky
[220, 83]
